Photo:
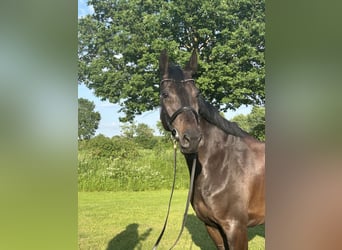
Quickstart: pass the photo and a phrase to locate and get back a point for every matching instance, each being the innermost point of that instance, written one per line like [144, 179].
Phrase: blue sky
[109, 124]
[83, 8]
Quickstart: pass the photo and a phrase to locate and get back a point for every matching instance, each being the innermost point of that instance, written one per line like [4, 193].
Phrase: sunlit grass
[133, 220]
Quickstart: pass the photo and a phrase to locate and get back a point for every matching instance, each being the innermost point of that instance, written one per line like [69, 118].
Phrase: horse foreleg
[216, 236]
[236, 234]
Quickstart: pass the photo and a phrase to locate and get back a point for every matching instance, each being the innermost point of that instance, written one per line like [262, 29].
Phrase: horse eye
[164, 94]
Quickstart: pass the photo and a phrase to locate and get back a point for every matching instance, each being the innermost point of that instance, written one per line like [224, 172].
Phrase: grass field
[133, 220]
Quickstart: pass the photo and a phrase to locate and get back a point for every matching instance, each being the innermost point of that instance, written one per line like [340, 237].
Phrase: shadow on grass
[199, 233]
[256, 231]
[128, 239]
[201, 238]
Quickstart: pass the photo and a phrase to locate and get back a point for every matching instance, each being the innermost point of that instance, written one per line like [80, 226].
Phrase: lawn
[133, 220]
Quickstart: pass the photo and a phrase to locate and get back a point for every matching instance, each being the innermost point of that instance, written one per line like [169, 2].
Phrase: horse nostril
[186, 141]
[186, 137]
[174, 133]
[190, 140]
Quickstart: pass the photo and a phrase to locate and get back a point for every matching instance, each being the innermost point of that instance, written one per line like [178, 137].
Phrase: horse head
[179, 103]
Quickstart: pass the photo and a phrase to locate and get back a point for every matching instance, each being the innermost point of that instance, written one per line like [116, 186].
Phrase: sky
[109, 124]
[83, 8]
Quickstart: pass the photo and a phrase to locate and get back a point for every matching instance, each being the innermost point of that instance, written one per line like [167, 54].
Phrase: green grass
[133, 220]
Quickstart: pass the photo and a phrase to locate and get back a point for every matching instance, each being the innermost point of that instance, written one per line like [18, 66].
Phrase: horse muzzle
[188, 141]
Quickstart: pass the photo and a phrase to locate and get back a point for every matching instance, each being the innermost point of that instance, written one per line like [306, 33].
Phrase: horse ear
[163, 63]
[192, 64]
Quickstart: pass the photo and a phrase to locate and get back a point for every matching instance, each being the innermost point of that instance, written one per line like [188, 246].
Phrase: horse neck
[213, 132]
[211, 114]
[209, 132]
[214, 138]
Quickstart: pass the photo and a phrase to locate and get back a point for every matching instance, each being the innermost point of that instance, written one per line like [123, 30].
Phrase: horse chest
[202, 211]
[213, 201]
[203, 204]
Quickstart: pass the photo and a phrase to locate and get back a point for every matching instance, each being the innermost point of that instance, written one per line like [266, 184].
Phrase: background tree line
[138, 159]
[88, 120]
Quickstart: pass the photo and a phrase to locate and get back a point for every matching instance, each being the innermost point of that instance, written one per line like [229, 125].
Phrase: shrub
[130, 168]
[104, 147]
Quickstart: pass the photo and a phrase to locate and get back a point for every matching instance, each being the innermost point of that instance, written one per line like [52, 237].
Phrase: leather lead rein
[192, 178]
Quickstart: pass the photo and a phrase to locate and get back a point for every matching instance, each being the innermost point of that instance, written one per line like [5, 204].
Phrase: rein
[192, 175]
[192, 178]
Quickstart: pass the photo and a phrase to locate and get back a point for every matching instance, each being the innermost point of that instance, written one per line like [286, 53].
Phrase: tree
[165, 135]
[128, 129]
[88, 119]
[119, 47]
[144, 136]
[253, 123]
[141, 133]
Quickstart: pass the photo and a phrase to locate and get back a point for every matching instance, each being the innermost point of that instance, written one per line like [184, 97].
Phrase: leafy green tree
[253, 123]
[88, 119]
[128, 129]
[141, 133]
[101, 146]
[165, 135]
[144, 136]
[119, 47]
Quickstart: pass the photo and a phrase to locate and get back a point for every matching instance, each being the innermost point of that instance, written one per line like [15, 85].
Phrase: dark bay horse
[229, 188]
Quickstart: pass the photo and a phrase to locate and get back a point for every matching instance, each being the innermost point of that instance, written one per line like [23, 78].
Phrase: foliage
[103, 147]
[165, 135]
[141, 133]
[253, 123]
[128, 129]
[120, 164]
[88, 119]
[144, 136]
[119, 47]
[140, 161]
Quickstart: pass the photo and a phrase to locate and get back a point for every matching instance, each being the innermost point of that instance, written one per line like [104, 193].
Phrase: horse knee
[236, 234]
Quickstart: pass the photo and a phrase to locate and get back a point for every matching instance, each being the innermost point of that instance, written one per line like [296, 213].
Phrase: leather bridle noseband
[181, 110]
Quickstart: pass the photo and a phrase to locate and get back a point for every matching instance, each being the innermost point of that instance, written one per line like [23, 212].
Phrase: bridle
[179, 111]
[192, 176]
[173, 117]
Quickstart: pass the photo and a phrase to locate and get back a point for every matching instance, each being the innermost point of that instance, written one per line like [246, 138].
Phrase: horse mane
[206, 110]
[176, 72]
[211, 114]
